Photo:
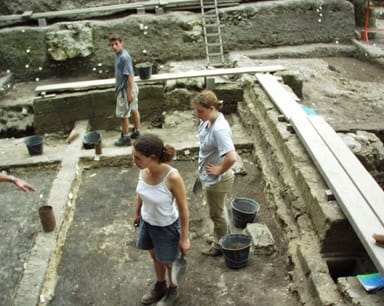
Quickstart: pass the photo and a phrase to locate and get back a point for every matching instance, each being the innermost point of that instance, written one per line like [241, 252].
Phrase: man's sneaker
[170, 298]
[155, 294]
[123, 141]
[135, 134]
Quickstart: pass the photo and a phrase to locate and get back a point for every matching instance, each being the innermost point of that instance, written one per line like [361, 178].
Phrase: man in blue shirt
[126, 92]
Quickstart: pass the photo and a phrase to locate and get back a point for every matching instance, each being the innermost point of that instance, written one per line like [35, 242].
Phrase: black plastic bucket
[235, 248]
[91, 139]
[145, 71]
[35, 144]
[244, 211]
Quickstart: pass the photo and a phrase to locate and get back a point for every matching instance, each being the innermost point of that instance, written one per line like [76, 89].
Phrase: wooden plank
[362, 179]
[107, 83]
[75, 86]
[27, 14]
[283, 99]
[361, 217]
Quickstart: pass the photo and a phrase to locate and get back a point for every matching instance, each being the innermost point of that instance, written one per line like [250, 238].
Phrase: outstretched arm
[21, 184]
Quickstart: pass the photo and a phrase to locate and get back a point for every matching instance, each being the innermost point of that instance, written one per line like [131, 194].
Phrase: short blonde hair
[208, 98]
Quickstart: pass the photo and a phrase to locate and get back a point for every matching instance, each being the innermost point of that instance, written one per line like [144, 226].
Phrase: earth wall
[81, 48]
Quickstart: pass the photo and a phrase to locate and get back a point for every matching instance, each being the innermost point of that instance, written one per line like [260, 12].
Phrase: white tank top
[159, 205]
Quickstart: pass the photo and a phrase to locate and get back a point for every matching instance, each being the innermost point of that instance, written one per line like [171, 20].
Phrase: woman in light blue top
[161, 212]
[216, 156]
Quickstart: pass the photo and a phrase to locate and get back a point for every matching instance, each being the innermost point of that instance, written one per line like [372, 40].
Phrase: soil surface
[103, 236]
[100, 264]
[348, 92]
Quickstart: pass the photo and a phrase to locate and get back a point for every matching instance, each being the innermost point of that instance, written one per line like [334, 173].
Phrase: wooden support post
[290, 128]
[329, 196]
[141, 10]
[159, 10]
[210, 83]
[42, 22]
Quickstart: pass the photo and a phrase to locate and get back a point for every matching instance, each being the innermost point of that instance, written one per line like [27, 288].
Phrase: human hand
[212, 169]
[136, 221]
[23, 185]
[184, 245]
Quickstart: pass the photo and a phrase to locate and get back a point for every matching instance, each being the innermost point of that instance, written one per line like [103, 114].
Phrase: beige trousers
[215, 196]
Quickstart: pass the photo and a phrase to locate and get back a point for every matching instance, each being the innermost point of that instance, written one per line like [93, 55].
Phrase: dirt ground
[19, 225]
[103, 226]
[100, 264]
[346, 91]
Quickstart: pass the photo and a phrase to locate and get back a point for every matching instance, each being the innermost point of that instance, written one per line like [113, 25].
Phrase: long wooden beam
[358, 174]
[361, 208]
[107, 83]
[285, 102]
[351, 201]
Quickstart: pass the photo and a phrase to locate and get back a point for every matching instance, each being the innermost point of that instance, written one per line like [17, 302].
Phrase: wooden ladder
[212, 33]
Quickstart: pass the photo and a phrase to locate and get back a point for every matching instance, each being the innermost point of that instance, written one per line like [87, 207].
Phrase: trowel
[197, 186]
[178, 270]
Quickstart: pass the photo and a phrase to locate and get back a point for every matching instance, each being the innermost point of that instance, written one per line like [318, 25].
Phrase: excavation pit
[253, 140]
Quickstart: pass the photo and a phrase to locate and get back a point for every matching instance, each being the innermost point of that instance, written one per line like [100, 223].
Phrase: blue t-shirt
[215, 143]
[123, 68]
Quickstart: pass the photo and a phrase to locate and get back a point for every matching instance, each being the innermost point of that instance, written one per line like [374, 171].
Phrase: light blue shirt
[215, 143]
[123, 68]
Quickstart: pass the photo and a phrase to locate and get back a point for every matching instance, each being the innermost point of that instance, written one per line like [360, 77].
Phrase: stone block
[262, 238]
[239, 168]
[70, 41]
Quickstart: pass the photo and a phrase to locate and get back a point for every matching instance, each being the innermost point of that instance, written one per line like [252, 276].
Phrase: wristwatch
[12, 178]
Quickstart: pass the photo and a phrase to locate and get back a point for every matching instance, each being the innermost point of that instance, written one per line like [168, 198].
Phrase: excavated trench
[91, 258]
[96, 237]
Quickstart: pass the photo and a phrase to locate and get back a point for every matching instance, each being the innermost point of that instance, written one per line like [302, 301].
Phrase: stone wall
[36, 52]
[58, 112]
[313, 225]
[55, 113]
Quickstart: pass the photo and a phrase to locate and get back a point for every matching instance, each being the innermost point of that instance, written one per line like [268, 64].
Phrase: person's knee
[153, 255]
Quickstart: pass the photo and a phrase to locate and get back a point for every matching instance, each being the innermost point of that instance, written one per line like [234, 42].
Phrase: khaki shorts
[123, 108]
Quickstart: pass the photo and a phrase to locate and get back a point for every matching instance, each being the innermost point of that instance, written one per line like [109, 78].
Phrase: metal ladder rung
[212, 25]
[211, 35]
[207, 16]
[209, 7]
[214, 54]
[214, 44]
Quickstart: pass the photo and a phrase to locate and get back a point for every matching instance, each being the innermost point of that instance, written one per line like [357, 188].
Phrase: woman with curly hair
[161, 212]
